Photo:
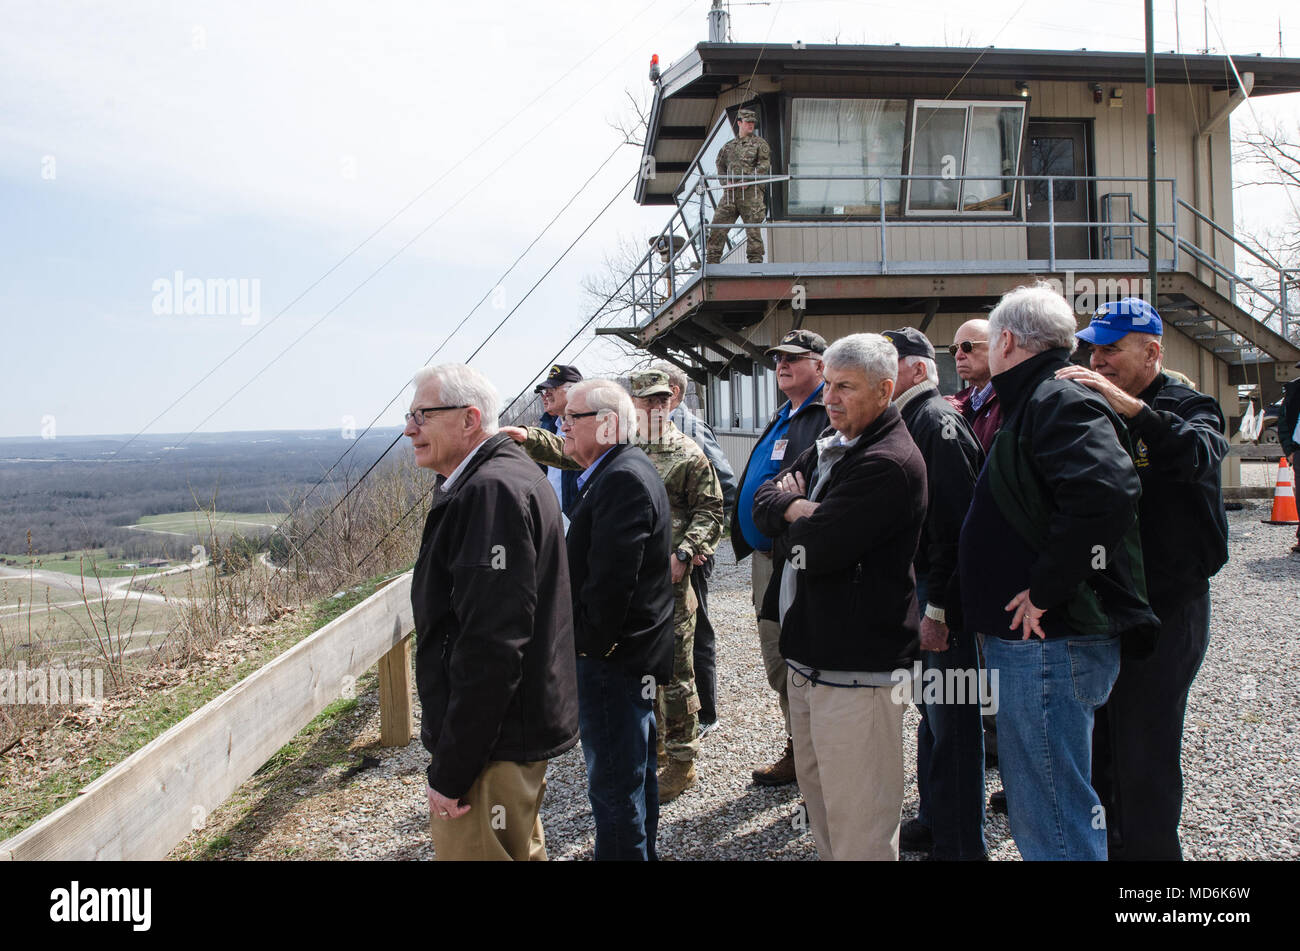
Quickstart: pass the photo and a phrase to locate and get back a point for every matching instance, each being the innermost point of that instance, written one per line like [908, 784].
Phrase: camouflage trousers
[737, 203]
[677, 705]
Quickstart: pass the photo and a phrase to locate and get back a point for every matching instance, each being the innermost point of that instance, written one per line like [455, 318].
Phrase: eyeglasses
[568, 418]
[420, 414]
[966, 346]
[793, 357]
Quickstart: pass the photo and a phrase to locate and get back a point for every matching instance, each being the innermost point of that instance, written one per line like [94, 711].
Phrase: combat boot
[781, 772]
[675, 778]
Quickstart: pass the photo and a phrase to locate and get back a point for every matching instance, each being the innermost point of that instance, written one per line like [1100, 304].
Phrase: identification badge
[778, 449]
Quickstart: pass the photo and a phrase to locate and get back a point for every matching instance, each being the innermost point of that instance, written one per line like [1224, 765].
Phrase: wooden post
[396, 726]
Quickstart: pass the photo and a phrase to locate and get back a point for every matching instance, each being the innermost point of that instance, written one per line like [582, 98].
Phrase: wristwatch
[682, 555]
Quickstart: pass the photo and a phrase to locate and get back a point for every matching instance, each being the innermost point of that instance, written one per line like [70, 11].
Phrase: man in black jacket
[494, 645]
[949, 822]
[1286, 430]
[846, 518]
[791, 430]
[1050, 565]
[1179, 452]
[619, 545]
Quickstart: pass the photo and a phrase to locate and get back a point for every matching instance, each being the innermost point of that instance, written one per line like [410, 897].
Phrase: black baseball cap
[558, 376]
[800, 341]
[910, 342]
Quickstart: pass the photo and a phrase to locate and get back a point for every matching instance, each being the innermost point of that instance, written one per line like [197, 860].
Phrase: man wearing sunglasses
[978, 402]
[794, 428]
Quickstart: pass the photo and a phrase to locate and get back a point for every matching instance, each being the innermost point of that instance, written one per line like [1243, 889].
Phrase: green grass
[83, 560]
[136, 727]
[204, 523]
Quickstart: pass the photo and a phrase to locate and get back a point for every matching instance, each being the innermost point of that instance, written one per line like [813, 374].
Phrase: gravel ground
[1240, 754]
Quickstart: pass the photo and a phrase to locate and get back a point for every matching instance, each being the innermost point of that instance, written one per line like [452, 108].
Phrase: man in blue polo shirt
[793, 429]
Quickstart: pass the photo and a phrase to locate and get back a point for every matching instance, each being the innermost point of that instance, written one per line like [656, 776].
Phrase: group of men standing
[1038, 546]
[558, 585]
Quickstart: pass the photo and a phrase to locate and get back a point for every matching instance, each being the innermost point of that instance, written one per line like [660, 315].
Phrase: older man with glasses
[554, 392]
[793, 428]
[494, 649]
[978, 402]
[620, 547]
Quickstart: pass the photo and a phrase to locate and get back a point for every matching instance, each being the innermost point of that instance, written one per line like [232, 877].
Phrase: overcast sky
[261, 142]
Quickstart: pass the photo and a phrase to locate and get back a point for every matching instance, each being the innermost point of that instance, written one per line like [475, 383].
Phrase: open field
[76, 563]
[205, 523]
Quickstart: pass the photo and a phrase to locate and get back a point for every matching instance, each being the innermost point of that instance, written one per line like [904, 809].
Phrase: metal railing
[676, 258]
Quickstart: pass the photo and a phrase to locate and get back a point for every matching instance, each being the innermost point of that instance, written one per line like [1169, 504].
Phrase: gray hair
[461, 385]
[931, 371]
[1037, 317]
[605, 397]
[872, 354]
[676, 376]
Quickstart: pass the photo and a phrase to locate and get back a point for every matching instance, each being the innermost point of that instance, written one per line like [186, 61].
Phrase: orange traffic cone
[1284, 511]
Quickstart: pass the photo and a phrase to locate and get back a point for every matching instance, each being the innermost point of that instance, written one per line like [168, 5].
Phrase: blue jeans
[617, 722]
[950, 750]
[1047, 693]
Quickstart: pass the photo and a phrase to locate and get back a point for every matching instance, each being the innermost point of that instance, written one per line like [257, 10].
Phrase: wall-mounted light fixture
[1022, 89]
[1116, 97]
[1096, 92]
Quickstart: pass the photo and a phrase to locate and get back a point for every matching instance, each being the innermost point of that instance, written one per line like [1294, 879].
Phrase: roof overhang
[691, 86]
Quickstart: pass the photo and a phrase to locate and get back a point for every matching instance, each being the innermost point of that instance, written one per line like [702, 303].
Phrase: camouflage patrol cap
[746, 115]
[650, 383]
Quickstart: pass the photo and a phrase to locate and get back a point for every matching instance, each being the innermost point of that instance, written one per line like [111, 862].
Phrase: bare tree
[1269, 157]
[632, 125]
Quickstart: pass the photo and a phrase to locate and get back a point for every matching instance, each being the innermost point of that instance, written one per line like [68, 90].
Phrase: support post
[396, 726]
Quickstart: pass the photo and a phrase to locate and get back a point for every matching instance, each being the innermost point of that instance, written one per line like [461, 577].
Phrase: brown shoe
[780, 773]
[675, 778]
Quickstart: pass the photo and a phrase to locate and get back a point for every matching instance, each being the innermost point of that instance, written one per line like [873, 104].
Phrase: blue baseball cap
[1113, 321]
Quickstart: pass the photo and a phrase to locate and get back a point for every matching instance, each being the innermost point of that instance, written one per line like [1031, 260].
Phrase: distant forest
[74, 492]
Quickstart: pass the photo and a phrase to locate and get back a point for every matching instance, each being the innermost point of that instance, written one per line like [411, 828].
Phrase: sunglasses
[966, 346]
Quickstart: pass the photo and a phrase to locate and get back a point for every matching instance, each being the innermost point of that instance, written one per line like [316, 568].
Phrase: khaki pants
[502, 823]
[769, 633]
[848, 755]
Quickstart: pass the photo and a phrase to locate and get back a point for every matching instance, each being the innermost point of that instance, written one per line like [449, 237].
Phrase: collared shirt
[769, 457]
[586, 473]
[830, 450]
[980, 397]
[460, 468]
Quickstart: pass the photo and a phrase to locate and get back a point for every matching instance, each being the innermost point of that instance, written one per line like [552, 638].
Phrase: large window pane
[859, 137]
[938, 148]
[992, 148]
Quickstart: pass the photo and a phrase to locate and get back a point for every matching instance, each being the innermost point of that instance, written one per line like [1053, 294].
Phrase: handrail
[145, 805]
[663, 275]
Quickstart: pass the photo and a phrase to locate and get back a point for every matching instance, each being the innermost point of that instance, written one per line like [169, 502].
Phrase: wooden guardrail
[144, 806]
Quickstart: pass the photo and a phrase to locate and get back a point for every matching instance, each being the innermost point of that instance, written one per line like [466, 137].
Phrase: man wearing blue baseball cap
[1179, 445]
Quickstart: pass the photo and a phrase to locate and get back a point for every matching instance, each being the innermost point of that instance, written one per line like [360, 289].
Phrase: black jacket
[1179, 449]
[1286, 420]
[855, 601]
[1055, 511]
[805, 425]
[494, 659]
[953, 458]
[620, 539]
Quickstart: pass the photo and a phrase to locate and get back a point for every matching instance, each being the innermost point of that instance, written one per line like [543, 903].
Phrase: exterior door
[1059, 148]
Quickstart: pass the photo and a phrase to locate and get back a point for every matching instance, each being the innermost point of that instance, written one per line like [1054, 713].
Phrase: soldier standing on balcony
[745, 156]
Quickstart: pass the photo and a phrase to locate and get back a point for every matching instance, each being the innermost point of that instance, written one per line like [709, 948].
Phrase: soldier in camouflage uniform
[695, 498]
[747, 155]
